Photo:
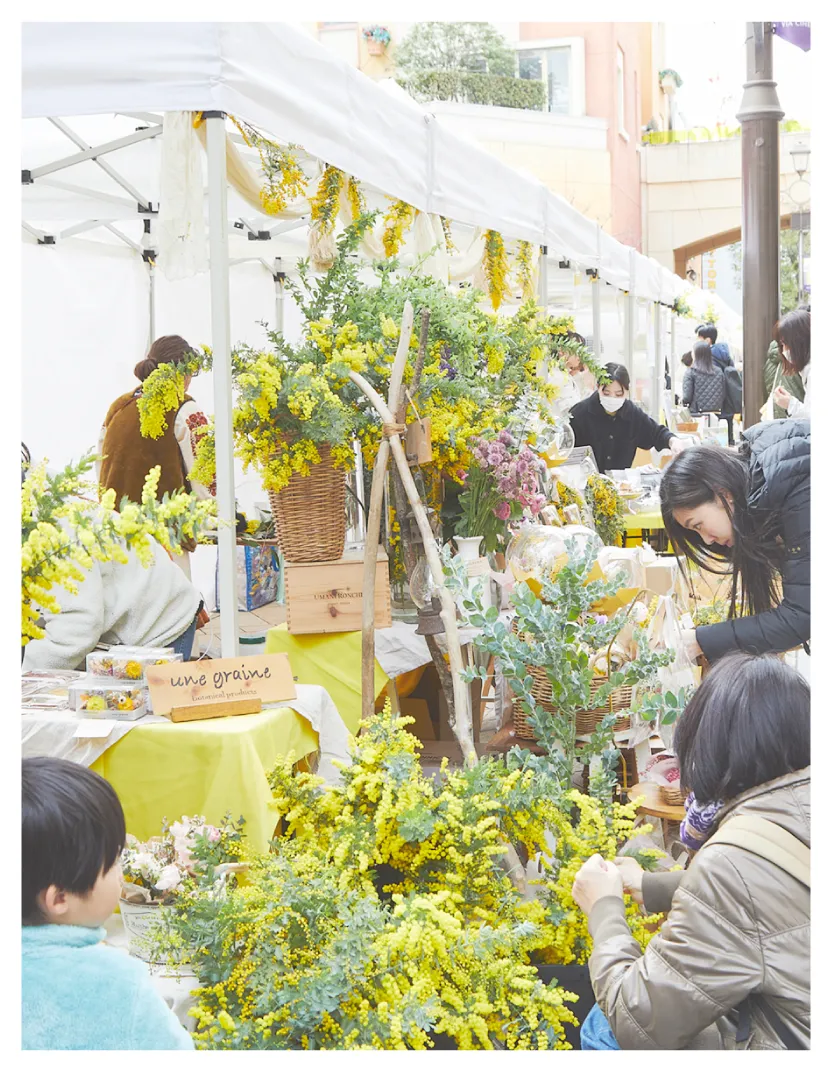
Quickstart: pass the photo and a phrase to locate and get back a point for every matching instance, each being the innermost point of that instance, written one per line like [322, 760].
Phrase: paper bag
[665, 634]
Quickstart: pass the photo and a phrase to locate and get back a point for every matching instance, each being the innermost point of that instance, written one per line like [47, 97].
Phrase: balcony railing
[719, 133]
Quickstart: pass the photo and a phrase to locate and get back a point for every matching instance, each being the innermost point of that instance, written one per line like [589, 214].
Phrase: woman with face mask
[793, 336]
[746, 514]
[608, 422]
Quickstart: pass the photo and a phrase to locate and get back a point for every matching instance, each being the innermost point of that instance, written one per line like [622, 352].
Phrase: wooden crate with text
[325, 597]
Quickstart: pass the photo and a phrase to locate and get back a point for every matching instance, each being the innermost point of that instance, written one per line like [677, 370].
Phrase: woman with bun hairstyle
[128, 456]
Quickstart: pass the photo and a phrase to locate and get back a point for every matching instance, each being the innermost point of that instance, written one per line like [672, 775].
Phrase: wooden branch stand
[391, 441]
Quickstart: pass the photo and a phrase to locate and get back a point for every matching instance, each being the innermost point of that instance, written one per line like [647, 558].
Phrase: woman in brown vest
[128, 456]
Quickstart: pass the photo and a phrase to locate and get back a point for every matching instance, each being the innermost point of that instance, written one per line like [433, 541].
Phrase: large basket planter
[310, 513]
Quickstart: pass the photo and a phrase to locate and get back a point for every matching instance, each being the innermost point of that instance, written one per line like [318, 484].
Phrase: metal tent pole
[221, 341]
[673, 362]
[279, 298]
[658, 374]
[630, 318]
[543, 279]
[596, 285]
[759, 115]
[151, 271]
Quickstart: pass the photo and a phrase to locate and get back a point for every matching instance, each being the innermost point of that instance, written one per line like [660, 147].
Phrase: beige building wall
[693, 191]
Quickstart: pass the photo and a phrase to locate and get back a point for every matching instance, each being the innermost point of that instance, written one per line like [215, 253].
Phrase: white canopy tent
[275, 77]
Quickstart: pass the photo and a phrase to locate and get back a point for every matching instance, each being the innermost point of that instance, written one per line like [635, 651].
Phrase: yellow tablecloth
[204, 768]
[649, 519]
[329, 659]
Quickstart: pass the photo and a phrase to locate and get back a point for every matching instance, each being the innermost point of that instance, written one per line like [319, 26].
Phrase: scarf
[698, 823]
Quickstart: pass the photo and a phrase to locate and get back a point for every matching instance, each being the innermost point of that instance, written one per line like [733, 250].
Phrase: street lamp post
[759, 115]
[800, 192]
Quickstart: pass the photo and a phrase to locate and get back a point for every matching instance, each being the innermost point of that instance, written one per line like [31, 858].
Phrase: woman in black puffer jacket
[747, 514]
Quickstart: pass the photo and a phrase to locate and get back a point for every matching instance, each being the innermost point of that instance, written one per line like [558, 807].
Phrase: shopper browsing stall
[703, 385]
[128, 456]
[614, 427]
[746, 514]
[721, 355]
[119, 603]
[794, 333]
[730, 966]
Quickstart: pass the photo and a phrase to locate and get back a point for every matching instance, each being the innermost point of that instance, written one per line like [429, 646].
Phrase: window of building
[620, 90]
[559, 64]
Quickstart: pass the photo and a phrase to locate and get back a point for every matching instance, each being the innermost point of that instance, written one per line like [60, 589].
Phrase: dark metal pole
[759, 114]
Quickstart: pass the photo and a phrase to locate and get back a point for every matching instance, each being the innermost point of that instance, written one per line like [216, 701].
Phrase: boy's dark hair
[707, 331]
[747, 723]
[73, 829]
[687, 359]
[618, 374]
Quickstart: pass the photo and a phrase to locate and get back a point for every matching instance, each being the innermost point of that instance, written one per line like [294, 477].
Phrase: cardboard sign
[256, 679]
[418, 448]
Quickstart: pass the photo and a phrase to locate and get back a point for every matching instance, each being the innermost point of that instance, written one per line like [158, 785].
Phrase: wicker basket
[309, 513]
[673, 797]
[586, 721]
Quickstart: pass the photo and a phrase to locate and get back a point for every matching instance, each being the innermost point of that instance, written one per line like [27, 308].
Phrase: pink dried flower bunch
[514, 471]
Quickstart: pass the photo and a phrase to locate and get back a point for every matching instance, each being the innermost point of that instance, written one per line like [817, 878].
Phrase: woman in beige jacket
[730, 966]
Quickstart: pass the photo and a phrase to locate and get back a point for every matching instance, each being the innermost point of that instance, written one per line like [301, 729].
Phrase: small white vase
[468, 547]
[136, 919]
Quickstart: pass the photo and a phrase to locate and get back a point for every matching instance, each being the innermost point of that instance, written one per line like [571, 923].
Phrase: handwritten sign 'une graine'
[264, 678]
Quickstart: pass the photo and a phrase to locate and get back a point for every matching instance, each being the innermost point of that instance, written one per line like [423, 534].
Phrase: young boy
[79, 994]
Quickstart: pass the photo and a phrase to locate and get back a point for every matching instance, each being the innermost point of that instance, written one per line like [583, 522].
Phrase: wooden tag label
[418, 447]
[267, 678]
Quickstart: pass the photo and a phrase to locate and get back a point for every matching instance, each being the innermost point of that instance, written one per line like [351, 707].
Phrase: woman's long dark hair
[702, 358]
[711, 474]
[747, 724]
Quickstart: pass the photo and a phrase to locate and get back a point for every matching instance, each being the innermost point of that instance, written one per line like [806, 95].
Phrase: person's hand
[781, 397]
[677, 445]
[596, 879]
[632, 877]
[691, 644]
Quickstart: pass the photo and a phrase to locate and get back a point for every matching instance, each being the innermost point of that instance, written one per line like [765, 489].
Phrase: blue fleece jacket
[81, 995]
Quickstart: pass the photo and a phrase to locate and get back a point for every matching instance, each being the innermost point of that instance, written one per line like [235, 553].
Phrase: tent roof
[277, 78]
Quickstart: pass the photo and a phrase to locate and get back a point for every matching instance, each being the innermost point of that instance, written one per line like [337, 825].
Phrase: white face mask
[611, 405]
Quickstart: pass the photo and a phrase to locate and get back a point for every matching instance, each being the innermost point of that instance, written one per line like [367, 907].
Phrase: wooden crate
[325, 597]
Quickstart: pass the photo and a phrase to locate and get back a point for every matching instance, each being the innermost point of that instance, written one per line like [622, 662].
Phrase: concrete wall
[602, 39]
[694, 190]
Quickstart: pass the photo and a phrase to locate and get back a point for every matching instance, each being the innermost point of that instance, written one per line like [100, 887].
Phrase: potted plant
[670, 80]
[377, 38]
[158, 871]
[572, 683]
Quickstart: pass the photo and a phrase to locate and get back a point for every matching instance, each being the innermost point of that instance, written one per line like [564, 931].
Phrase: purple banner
[796, 33]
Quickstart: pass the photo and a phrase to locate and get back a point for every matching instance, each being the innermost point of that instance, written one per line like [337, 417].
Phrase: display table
[652, 804]
[333, 660]
[162, 769]
[638, 526]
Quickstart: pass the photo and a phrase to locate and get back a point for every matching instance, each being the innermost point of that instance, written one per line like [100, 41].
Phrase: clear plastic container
[538, 551]
[104, 697]
[128, 664]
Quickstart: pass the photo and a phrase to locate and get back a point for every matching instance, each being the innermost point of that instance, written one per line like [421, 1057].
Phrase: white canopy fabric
[277, 78]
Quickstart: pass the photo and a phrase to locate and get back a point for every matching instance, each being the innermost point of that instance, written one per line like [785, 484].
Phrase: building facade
[602, 89]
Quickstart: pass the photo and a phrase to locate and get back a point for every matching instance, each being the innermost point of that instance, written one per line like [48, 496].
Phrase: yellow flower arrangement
[398, 219]
[449, 241]
[285, 179]
[356, 199]
[495, 267]
[607, 508]
[133, 670]
[323, 205]
[316, 951]
[524, 263]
